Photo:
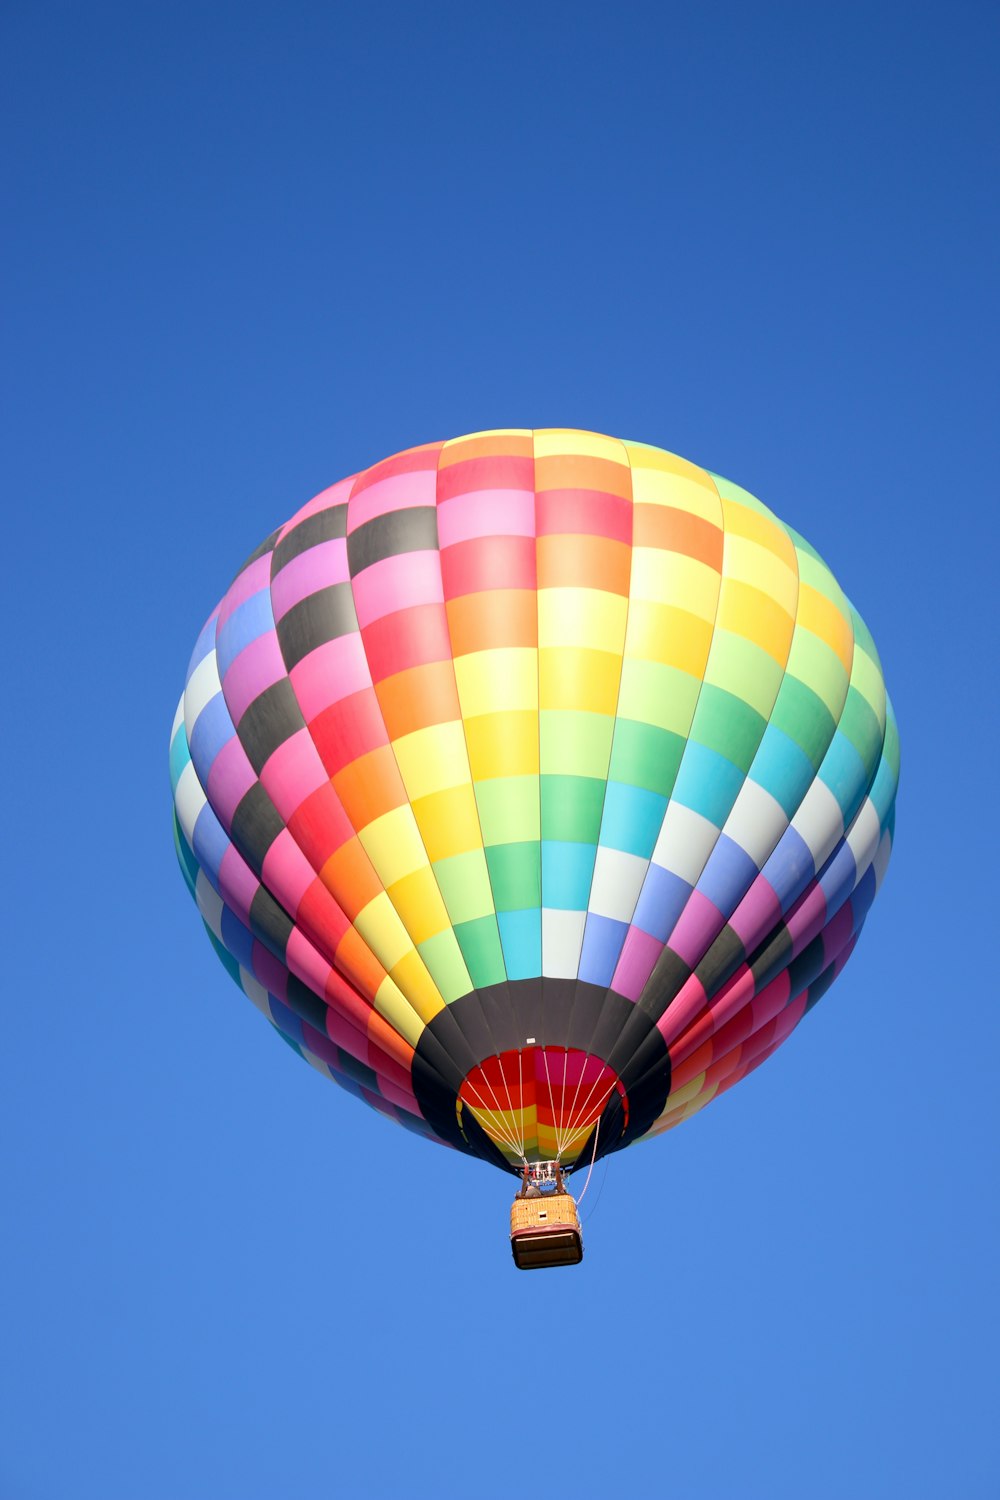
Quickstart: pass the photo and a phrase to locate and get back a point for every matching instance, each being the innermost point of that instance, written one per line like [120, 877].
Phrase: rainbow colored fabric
[532, 785]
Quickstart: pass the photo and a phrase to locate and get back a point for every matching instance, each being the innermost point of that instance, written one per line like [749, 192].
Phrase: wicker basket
[545, 1231]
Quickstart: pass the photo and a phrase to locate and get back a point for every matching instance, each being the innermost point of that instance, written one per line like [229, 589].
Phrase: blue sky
[250, 249]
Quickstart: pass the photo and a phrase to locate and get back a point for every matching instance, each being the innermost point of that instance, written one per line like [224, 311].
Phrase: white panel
[203, 684]
[189, 799]
[562, 942]
[210, 903]
[685, 842]
[178, 718]
[864, 836]
[819, 822]
[256, 992]
[756, 822]
[617, 882]
[881, 860]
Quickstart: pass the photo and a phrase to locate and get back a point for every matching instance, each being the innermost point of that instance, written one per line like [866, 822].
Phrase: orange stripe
[370, 786]
[584, 562]
[501, 617]
[419, 697]
[349, 875]
[571, 471]
[678, 531]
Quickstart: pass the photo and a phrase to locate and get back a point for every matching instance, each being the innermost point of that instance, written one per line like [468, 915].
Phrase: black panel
[500, 1017]
[771, 957]
[316, 619]
[256, 825]
[554, 1013]
[272, 718]
[265, 546]
[807, 966]
[324, 526]
[306, 1004]
[411, 530]
[721, 961]
[819, 987]
[646, 1077]
[270, 922]
[670, 974]
[358, 1071]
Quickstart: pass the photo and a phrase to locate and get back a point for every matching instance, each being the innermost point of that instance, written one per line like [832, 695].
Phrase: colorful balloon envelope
[534, 786]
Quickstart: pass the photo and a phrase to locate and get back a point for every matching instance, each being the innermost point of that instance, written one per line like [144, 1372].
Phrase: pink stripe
[807, 918]
[377, 1102]
[320, 1045]
[396, 583]
[772, 999]
[270, 971]
[305, 963]
[732, 998]
[292, 773]
[342, 994]
[735, 993]
[229, 780]
[838, 932]
[844, 955]
[250, 581]
[317, 568]
[757, 913]
[286, 871]
[237, 883]
[387, 1067]
[486, 513]
[255, 668]
[686, 1005]
[699, 922]
[786, 1023]
[639, 954]
[346, 1036]
[398, 492]
[337, 494]
[333, 671]
[733, 1033]
[402, 1098]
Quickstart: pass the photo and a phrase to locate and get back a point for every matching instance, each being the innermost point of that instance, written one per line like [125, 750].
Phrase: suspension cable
[593, 1158]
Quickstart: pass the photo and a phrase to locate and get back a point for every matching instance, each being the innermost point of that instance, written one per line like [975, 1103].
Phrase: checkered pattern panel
[533, 705]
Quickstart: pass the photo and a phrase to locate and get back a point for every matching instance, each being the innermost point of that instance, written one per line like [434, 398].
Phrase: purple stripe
[315, 569]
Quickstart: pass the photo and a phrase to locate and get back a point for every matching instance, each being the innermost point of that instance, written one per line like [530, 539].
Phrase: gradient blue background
[252, 248]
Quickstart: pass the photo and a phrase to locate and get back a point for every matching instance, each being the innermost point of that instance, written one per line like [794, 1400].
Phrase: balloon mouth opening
[539, 1103]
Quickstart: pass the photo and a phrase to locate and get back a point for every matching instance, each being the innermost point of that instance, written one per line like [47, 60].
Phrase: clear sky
[251, 248]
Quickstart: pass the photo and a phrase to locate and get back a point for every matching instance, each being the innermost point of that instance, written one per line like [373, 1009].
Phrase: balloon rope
[497, 1114]
[593, 1158]
[513, 1116]
[581, 1129]
[552, 1103]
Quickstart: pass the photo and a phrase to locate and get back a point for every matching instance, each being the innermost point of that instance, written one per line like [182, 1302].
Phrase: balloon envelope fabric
[534, 785]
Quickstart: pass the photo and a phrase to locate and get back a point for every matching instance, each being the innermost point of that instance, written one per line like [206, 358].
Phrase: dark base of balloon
[543, 1013]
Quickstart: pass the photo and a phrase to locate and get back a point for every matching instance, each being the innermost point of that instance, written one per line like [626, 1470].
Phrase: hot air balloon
[534, 786]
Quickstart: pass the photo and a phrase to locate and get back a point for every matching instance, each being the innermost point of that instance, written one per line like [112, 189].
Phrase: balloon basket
[545, 1231]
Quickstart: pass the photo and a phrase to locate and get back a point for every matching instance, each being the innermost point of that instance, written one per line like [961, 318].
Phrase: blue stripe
[661, 901]
[567, 874]
[521, 940]
[632, 819]
[252, 619]
[603, 938]
[782, 768]
[790, 868]
[728, 875]
[707, 783]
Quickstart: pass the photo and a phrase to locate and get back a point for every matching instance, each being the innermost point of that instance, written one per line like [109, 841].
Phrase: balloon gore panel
[534, 785]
